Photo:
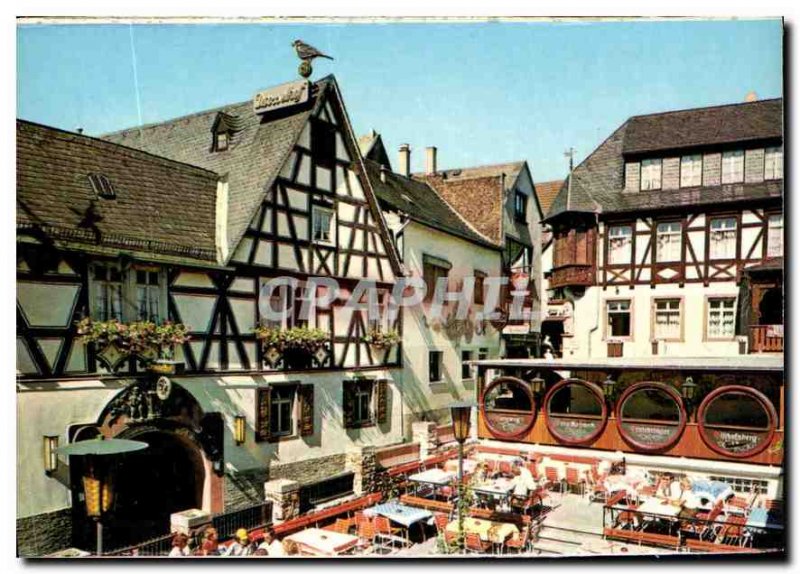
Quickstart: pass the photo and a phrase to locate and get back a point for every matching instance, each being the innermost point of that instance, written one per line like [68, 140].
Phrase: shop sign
[737, 441]
[508, 423]
[283, 96]
[650, 435]
[573, 429]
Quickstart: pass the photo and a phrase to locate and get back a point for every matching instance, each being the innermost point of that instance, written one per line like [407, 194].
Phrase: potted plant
[297, 345]
[380, 339]
[167, 337]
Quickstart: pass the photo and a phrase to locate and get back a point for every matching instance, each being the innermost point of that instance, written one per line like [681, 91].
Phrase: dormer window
[102, 186]
[651, 174]
[221, 140]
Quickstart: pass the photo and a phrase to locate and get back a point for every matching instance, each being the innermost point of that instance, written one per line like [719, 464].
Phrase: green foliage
[295, 338]
[382, 339]
[136, 338]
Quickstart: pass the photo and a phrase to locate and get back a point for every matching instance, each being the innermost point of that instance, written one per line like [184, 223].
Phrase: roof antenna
[570, 153]
[136, 80]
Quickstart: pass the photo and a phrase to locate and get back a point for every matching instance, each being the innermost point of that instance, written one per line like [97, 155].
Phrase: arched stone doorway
[181, 468]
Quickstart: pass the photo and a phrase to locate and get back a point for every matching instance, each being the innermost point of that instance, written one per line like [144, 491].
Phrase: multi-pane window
[221, 141]
[321, 221]
[483, 353]
[743, 485]
[773, 163]
[619, 318]
[619, 244]
[466, 368]
[434, 366]
[281, 304]
[721, 318]
[667, 320]
[775, 235]
[691, 170]
[651, 174]
[722, 238]
[281, 419]
[668, 242]
[148, 292]
[433, 269]
[362, 402]
[733, 166]
[520, 206]
[107, 282]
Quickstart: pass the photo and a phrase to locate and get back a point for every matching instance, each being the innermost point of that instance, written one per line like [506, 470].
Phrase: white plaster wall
[590, 311]
[419, 395]
[49, 409]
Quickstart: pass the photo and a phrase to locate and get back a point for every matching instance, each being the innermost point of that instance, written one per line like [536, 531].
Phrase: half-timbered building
[434, 241]
[186, 221]
[668, 238]
[499, 201]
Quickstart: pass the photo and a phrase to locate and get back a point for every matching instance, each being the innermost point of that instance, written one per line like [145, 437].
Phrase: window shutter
[306, 410]
[262, 414]
[382, 393]
[348, 402]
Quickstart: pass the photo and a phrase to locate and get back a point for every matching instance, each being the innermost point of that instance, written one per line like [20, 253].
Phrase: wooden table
[488, 530]
[319, 542]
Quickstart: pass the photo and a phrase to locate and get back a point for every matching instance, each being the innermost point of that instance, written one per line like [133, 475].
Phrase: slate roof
[161, 206]
[421, 203]
[253, 159]
[598, 182]
[511, 170]
[547, 191]
[713, 125]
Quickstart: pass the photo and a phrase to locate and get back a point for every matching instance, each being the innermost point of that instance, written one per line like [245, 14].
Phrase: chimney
[430, 160]
[384, 169]
[79, 130]
[751, 97]
[405, 160]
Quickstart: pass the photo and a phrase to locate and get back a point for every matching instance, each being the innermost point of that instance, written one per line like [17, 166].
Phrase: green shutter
[306, 410]
[382, 392]
[262, 414]
[348, 402]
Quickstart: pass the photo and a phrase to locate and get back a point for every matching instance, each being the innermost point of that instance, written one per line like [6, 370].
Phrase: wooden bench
[640, 537]
[314, 518]
[706, 546]
[407, 468]
[519, 520]
[427, 504]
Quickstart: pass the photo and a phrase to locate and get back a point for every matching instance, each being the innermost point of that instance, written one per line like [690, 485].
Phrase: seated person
[271, 546]
[241, 545]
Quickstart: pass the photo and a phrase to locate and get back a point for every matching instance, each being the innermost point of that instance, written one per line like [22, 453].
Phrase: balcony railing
[572, 275]
[766, 339]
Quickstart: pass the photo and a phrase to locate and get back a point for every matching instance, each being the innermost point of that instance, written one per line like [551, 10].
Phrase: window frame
[219, 137]
[595, 391]
[471, 375]
[607, 330]
[769, 217]
[520, 206]
[440, 366]
[737, 153]
[532, 414]
[777, 158]
[364, 389]
[651, 162]
[293, 414]
[707, 336]
[654, 316]
[128, 291]
[679, 233]
[609, 237]
[642, 386]
[712, 232]
[479, 293]
[699, 175]
[321, 209]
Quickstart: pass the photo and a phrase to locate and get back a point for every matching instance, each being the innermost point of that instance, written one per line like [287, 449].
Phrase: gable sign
[283, 96]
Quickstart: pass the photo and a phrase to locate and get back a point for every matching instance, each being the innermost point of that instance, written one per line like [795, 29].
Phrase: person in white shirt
[241, 546]
[180, 545]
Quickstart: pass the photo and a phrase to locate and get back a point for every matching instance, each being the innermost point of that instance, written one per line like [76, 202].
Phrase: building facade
[187, 221]
[434, 241]
[668, 238]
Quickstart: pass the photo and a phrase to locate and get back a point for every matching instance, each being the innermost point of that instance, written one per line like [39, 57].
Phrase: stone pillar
[360, 460]
[424, 433]
[284, 494]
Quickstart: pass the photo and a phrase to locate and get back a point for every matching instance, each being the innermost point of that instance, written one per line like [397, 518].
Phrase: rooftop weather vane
[307, 53]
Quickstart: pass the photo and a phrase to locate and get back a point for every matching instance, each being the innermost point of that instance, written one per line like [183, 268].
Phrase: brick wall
[44, 533]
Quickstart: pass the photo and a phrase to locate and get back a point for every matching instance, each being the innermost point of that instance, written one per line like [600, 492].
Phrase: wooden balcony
[766, 339]
[572, 275]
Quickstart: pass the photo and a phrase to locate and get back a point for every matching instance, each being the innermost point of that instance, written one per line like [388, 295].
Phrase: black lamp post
[461, 414]
[97, 486]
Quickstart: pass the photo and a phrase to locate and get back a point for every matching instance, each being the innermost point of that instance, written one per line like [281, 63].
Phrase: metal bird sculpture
[306, 52]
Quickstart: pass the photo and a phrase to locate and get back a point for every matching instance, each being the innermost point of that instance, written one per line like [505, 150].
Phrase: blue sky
[482, 93]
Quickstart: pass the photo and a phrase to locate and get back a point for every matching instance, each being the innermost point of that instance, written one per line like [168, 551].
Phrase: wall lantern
[537, 384]
[689, 389]
[608, 387]
[239, 429]
[50, 454]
